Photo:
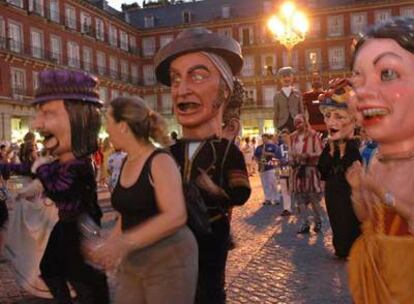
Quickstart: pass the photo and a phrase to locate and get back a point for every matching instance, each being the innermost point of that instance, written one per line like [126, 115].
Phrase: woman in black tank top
[154, 250]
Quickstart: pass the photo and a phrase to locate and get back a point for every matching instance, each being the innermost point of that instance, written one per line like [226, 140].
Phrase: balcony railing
[18, 92]
[28, 50]
[36, 8]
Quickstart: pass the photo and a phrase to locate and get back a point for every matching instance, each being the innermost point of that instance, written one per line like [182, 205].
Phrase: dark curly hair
[399, 29]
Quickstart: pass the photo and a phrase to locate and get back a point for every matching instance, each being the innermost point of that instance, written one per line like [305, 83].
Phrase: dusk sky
[117, 3]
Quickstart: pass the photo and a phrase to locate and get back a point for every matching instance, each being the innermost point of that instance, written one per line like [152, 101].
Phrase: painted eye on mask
[175, 79]
[388, 75]
[198, 77]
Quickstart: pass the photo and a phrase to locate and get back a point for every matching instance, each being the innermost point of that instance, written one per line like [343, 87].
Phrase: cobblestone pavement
[270, 264]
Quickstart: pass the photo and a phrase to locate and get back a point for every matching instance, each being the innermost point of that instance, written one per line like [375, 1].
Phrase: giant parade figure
[381, 260]
[68, 118]
[200, 67]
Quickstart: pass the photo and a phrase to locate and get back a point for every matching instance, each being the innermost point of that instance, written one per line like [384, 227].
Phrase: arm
[275, 112]
[237, 185]
[58, 184]
[325, 163]
[172, 215]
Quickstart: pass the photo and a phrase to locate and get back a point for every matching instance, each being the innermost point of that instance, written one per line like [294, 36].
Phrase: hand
[40, 161]
[107, 254]
[205, 182]
[354, 175]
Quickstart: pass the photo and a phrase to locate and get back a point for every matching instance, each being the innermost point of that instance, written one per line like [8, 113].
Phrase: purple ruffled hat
[67, 84]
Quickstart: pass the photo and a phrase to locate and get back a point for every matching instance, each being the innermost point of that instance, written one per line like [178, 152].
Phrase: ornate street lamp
[289, 27]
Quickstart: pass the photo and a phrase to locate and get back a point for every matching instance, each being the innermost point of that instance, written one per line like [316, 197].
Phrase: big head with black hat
[68, 112]
[200, 67]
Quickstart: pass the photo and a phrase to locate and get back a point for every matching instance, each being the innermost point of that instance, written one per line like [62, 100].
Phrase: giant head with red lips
[339, 119]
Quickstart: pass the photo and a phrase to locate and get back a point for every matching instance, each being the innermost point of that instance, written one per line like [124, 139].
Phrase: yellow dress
[381, 265]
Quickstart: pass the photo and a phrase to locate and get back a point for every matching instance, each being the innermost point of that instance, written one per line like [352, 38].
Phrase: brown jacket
[285, 106]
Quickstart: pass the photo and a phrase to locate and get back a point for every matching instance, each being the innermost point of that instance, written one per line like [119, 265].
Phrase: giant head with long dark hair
[68, 113]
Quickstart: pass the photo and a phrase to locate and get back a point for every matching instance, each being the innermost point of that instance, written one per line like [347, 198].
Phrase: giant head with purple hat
[68, 112]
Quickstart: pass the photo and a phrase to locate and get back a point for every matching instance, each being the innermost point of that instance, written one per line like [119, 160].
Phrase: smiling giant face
[52, 122]
[195, 86]
[383, 80]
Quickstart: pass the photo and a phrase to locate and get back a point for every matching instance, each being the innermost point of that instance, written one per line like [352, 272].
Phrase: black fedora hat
[197, 40]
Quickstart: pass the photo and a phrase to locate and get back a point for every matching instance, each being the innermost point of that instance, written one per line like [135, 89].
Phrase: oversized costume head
[200, 67]
[286, 76]
[383, 80]
[339, 120]
[68, 114]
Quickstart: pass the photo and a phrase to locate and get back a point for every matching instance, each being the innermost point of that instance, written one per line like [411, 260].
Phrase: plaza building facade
[327, 47]
[119, 47]
[53, 34]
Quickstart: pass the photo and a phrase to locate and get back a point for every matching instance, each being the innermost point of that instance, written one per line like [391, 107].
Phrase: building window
[87, 59]
[295, 59]
[100, 29]
[113, 36]
[148, 46]
[18, 83]
[267, 6]
[53, 13]
[313, 59]
[407, 11]
[86, 24]
[149, 74]
[314, 28]
[36, 6]
[382, 16]
[134, 74]
[268, 93]
[133, 45]
[36, 38]
[114, 94]
[225, 11]
[35, 81]
[335, 26]
[246, 35]
[18, 3]
[124, 70]
[249, 97]
[101, 62]
[113, 67]
[359, 22]
[123, 40]
[269, 64]
[248, 66]
[70, 17]
[225, 32]
[103, 94]
[151, 101]
[55, 48]
[15, 36]
[336, 57]
[165, 39]
[148, 21]
[166, 103]
[3, 38]
[73, 55]
[186, 17]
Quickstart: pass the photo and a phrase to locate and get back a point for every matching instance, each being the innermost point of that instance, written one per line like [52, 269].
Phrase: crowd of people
[174, 194]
